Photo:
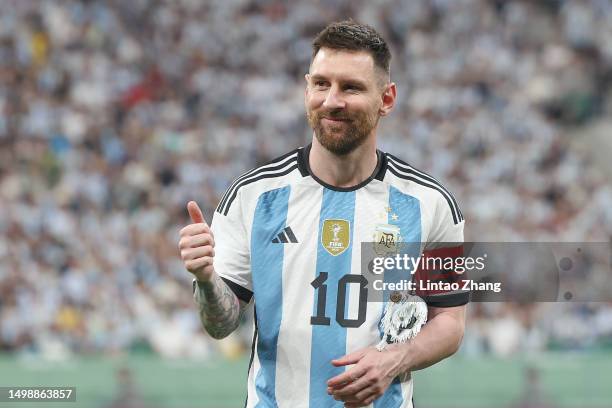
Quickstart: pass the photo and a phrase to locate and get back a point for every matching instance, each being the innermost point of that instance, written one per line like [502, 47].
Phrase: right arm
[220, 309]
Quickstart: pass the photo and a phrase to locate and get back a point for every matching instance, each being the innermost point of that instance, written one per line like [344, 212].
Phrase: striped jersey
[290, 243]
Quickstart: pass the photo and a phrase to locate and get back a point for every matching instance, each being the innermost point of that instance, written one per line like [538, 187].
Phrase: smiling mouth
[336, 119]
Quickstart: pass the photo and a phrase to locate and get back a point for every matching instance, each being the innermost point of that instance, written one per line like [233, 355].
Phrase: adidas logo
[285, 236]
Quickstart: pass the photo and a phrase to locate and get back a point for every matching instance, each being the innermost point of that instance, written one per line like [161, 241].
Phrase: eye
[352, 88]
[320, 83]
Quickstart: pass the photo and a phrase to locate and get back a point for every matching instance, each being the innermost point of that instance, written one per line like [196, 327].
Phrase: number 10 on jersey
[320, 319]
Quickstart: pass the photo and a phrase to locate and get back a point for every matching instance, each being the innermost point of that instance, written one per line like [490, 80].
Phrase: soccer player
[286, 237]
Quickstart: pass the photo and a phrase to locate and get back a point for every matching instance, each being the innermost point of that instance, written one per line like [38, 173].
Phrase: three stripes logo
[285, 236]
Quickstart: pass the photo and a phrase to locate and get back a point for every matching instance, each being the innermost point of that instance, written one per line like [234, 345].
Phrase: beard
[344, 137]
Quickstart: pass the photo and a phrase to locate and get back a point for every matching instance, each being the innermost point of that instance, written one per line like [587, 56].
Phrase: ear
[388, 99]
[307, 79]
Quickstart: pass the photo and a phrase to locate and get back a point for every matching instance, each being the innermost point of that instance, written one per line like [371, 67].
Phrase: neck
[343, 171]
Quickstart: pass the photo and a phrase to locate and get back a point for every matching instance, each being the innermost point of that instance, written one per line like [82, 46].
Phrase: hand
[368, 379]
[197, 245]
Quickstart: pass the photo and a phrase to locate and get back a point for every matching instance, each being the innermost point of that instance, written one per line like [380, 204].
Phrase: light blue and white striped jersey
[291, 243]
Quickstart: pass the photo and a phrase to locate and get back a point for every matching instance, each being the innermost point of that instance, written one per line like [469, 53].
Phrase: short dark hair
[353, 36]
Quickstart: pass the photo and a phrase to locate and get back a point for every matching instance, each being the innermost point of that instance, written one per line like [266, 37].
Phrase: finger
[359, 404]
[195, 213]
[195, 229]
[363, 402]
[347, 400]
[346, 377]
[196, 253]
[194, 264]
[199, 240]
[371, 399]
[366, 393]
[196, 241]
[352, 388]
[355, 404]
[352, 358]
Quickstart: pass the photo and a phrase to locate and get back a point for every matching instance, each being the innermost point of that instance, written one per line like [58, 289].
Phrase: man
[287, 238]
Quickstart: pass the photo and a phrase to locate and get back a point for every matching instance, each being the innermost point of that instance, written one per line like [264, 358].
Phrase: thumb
[195, 213]
[352, 358]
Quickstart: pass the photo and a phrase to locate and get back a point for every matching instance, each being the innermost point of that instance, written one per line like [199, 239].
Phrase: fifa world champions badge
[336, 236]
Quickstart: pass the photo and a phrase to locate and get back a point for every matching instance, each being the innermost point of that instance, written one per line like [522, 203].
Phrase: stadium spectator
[114, 114]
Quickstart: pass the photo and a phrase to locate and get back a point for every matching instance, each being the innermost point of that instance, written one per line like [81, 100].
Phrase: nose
[333, 99]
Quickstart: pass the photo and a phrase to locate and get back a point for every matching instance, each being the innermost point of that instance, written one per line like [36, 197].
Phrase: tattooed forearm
[220, 309]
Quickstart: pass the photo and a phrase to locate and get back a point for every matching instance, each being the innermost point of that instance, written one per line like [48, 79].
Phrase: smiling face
[345, 96]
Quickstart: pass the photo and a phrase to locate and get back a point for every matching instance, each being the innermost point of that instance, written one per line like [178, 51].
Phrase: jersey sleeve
[441, 272]
[232, 259]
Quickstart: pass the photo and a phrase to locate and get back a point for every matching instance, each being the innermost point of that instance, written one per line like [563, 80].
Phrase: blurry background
[113, 114]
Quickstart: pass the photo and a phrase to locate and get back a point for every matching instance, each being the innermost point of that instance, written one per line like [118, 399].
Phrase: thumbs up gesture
[197, 245]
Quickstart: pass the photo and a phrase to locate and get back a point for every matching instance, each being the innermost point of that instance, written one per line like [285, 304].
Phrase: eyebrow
[316, 77]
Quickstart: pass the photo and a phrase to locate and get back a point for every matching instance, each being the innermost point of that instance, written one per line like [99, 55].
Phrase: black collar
[304, 167]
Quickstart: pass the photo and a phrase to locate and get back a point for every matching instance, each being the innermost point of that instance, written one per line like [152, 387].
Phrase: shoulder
[274, 174]
[417, 182]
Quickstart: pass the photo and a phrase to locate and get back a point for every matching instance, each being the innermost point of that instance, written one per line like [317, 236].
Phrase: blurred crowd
[113, 114]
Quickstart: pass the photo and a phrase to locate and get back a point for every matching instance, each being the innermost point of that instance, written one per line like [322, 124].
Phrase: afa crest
[387, 239]
[336, 236]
